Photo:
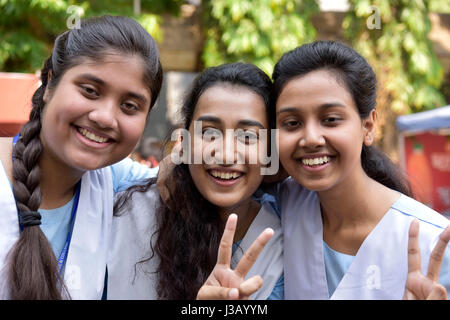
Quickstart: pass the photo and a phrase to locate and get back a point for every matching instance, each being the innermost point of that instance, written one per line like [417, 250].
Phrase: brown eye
[290, 124]
[247, 137]
[211, 134]
[129, 107]
[90, 92]
[331, 120]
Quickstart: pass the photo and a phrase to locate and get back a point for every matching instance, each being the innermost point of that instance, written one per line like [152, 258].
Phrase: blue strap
[63, 255]
[15, 139]
[105, 286]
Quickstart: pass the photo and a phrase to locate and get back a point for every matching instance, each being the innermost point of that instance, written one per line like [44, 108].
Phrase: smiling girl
[176, 243]
[56, 187]
[346, 210]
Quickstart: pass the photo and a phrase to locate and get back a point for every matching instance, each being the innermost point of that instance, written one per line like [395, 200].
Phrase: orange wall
[16, 90]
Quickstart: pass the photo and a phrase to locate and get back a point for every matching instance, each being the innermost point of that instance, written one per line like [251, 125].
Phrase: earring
[368, 139]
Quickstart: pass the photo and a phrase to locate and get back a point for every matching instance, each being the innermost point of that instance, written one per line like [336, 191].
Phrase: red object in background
[16, 90]
[151, 162]
[427, 160]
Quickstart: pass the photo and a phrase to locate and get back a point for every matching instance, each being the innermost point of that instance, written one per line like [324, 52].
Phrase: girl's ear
[46, 95]
[369, 128]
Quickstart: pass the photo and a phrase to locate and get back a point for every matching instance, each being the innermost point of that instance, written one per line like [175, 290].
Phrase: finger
[226, 243]
[437, 255]
[438, 293]
[250, 286]
[217, 293]
[253, 252]
[413, 247]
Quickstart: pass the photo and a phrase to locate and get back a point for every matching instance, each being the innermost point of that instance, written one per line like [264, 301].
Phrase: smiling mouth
[226, 176]
[92, 136]
[314, 162]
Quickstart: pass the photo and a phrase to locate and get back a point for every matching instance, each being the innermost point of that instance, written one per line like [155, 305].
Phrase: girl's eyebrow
[321, 107]
[250, 123]
[287, 109]
[92, 78]
[247, 123]
[330, 105]
[209, 119]
[100, 82]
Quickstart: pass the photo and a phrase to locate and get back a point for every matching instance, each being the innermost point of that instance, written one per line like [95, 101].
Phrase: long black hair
[359, 79]
[189, 227]
[32, 265]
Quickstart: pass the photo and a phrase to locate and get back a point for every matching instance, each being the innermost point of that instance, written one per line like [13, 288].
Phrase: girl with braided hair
[59, 175]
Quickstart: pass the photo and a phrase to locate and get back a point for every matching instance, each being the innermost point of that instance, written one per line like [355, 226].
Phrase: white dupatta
[269, 264]
[380, 266]
[85, 268]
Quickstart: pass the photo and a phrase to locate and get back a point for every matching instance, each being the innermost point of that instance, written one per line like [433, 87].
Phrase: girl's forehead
[118, 71]
[314, 88]
[231, 103]
[110, 61]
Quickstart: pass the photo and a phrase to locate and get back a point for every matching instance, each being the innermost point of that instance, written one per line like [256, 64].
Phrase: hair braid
[32, 265]
[33, 272]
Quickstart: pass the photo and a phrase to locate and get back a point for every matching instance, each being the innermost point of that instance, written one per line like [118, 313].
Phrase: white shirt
[380, 266]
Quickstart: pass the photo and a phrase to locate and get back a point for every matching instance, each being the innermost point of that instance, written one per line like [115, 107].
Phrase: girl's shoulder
[291, 191]
[6, 155]
[410, 207]
[127, 173]
[140, 201]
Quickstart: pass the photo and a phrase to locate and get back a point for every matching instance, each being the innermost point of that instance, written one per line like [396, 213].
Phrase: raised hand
[418, 286]
[226, 284]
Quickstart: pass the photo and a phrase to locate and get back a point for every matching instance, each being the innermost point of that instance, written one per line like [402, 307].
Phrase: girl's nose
[104, 115]
[227, 153]
[312, 137]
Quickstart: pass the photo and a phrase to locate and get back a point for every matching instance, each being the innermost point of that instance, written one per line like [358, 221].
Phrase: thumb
[438, 293]
[217, 293]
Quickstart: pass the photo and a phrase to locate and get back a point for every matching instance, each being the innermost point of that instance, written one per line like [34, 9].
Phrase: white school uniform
[269, 264]
[380, 267]
[128, 279]
[133, 229]
[85, 267]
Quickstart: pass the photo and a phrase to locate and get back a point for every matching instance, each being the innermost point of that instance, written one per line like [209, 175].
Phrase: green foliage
[256, 31]
[440, 6]
[29, 27]
[399, 50]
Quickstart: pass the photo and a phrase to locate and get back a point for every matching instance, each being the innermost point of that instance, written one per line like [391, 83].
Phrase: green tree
[393, 36]
[29, 27]
[256, 31]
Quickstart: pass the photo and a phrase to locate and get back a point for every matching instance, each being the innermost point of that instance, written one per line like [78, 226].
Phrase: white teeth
[315, 161]
[91, 136]
[224, 175]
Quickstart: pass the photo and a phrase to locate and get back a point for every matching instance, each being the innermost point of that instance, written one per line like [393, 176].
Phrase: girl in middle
[167, 250]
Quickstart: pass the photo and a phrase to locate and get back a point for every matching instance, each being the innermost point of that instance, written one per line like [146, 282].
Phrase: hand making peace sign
[418, 286]
[228, 284]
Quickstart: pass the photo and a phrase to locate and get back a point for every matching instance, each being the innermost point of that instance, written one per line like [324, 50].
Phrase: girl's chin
[88, 164]
[317, 186]
[225, 202]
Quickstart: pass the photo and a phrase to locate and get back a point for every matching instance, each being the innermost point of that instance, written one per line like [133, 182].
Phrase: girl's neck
[351, 210]
[57, 182]
[246, 212]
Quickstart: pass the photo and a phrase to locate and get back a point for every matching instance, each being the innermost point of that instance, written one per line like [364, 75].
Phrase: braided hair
[32, 265]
